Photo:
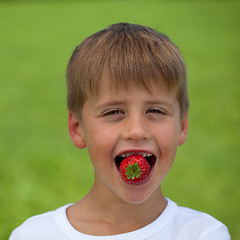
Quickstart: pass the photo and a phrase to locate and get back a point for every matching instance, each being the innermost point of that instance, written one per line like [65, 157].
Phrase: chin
[135, 196]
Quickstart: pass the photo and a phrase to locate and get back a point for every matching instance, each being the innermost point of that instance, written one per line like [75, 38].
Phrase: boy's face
[132, 121]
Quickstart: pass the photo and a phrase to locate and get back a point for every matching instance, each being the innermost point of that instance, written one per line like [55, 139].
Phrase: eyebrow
[121, 103]
[161, 102]
[109, 104]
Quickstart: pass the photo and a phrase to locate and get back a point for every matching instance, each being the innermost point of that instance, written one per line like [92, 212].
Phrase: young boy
[128, 104]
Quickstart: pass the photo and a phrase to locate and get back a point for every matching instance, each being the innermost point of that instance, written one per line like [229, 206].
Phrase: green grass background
[41, 169]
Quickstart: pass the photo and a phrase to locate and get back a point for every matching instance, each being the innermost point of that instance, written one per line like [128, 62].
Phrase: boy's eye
[112, 112]
[156, 111]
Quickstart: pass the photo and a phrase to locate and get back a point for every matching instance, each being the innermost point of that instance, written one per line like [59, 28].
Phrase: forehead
[113, 83]
[108, 86]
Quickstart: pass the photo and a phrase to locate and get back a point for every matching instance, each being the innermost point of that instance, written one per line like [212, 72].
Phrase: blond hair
[133, 55]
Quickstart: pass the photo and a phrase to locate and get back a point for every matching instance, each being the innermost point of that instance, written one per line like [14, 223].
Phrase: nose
[135, 128]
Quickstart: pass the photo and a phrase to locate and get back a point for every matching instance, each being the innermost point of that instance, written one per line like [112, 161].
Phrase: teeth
[147, 155]
[144, 154]
[125, 154]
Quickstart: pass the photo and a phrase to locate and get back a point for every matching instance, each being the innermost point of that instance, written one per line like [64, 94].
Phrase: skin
[118, 121]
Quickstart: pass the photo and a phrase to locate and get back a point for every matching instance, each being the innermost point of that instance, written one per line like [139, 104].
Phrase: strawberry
[134, 169]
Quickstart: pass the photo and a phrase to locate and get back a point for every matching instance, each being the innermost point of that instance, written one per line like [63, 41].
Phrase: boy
[128, 104]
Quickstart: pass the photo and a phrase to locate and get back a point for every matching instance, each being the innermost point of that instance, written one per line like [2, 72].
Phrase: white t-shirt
[175, 223]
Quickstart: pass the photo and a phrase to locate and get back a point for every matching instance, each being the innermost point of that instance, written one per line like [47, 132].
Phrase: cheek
[100, 143]
[168, 142]
[168, 149]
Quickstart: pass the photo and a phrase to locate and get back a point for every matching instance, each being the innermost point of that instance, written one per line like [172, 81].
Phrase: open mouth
[151, 158]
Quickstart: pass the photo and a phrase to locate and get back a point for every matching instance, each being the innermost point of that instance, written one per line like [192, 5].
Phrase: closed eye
[112, 112]
[156, 111]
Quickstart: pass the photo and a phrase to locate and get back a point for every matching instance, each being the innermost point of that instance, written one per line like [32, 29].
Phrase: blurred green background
[40, 168]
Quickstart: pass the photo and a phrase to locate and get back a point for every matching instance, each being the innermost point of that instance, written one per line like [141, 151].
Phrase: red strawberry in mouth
[134, 169]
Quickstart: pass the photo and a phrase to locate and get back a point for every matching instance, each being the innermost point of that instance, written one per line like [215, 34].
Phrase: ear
[76, 131]
[183, 130]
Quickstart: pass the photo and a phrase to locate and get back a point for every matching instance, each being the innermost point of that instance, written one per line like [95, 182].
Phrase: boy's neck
[102, 213]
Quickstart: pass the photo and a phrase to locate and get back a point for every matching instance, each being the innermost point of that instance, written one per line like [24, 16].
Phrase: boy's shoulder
[189, 222]
[186, 214]
[39, 226]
